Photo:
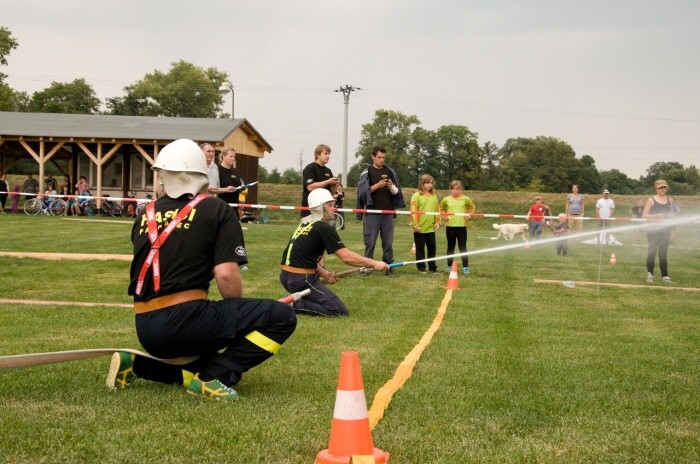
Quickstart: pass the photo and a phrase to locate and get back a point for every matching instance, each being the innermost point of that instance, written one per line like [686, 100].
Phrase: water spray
[547, 241]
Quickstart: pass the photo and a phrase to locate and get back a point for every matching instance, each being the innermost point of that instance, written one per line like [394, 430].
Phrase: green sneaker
[213, 389]
[121, 371]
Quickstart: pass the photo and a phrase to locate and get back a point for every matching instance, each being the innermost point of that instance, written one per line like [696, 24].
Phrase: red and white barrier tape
[346, 210]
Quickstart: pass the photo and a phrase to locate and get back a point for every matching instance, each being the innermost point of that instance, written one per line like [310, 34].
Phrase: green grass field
[517, 372]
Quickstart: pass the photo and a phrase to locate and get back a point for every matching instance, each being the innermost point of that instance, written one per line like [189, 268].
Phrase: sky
[618, 80]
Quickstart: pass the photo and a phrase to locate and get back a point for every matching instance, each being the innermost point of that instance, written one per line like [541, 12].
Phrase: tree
[586, 176]
[290, 176]
[11, 100]
[185, 91]
[262, 174]
[76, 97]
[274, 177]
[681, 180]
[547, 158]
[493, 173]
[460, 156]
[7, 44]
[394, 131]
[618, 182]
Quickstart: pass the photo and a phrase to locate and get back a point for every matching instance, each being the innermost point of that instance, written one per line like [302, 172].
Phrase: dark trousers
[379, 225]
[203, 328]
[321, 302]
[423, 242]
[562, 247]
[658, 241]
[458, 236]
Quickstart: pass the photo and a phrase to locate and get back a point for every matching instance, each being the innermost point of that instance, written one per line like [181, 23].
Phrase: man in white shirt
[212, 168]
[605, 208]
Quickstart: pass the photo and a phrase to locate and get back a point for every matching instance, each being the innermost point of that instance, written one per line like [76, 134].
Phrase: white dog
[508, 231]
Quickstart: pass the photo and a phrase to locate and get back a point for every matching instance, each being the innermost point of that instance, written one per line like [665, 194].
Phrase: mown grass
[517, 372]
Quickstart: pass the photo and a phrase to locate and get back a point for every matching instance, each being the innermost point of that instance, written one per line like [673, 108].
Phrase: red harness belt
[157, 241]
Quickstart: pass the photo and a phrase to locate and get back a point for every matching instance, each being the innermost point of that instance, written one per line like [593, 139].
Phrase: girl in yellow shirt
[425, 225]
[456, 229]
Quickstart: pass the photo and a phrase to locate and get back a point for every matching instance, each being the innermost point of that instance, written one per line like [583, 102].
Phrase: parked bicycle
[112, 208]
[46, 205]
[141, 204]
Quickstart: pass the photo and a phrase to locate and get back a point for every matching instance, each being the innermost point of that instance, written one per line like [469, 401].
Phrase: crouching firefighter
[182, 241]
[301, 263]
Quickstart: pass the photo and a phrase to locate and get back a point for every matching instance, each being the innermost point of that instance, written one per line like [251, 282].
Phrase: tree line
[539, 164]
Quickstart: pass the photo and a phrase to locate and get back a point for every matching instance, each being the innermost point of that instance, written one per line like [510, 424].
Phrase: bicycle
[141, 204]
[111, 207]
[49, 205]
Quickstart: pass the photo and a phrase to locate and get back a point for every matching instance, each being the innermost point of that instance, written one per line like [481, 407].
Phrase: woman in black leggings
[658, 207]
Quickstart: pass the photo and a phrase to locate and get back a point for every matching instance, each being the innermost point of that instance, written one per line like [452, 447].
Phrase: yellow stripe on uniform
[263, 342]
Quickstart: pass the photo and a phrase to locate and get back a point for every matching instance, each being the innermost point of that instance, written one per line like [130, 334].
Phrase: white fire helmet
[182, 155]
[182, 168]
[319, 196]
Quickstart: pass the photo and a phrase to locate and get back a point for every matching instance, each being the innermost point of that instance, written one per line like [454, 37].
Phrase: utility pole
[301, 160]
[347, 90]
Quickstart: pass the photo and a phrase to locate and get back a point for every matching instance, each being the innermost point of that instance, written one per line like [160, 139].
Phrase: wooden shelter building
[115, 153]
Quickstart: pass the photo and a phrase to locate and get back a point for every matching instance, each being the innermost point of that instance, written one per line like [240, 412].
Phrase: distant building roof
[120, 127]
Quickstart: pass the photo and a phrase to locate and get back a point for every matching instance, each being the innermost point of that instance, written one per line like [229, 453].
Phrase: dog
[508, 231]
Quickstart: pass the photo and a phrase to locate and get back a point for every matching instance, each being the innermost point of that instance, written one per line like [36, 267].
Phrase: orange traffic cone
[613, 259]
[413, 248]
[351, 439]
[453, 281]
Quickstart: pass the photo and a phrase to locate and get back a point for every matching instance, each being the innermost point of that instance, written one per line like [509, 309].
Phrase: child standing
[15, 199]
[456, 229]
[561, 230]
[425, 225]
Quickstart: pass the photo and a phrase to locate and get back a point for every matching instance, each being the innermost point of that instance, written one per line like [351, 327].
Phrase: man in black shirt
[379, 188]
[301, 260]
[182, 241]
[317, 175]
[229, 179]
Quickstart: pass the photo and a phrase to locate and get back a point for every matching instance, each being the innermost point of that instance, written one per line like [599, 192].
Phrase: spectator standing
[535, 217]
[657, 208]
[230, 182]
[31, 185]
[67, 182]
[229, 179]
[212, 168]
[636, 212]
[15, 199]
[4, 191]
[302, 265]
[605, 209]
[460, 207]
[561, 230]
[50, 183]
[379, 188]
[575, 209]
[174, 316]
[425, 225]
[317, 175]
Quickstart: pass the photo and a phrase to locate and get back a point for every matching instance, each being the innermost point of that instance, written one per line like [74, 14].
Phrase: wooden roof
[110, 128]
